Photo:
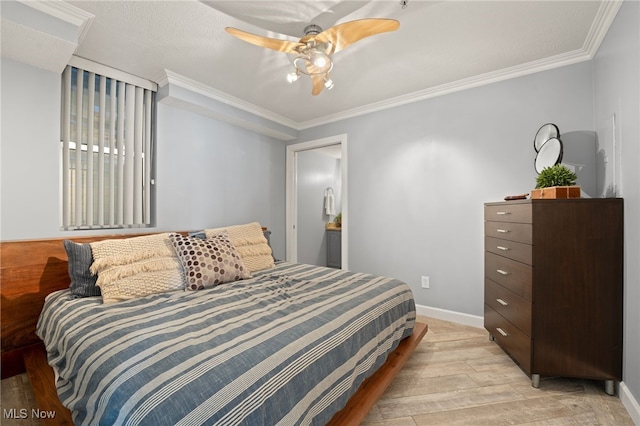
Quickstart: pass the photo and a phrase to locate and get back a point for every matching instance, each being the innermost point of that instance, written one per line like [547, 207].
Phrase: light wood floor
[456, 376]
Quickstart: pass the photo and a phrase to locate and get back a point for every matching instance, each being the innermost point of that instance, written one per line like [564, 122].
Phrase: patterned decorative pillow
[135, 267]
[209, 262]
[251, 244]
[83, 282]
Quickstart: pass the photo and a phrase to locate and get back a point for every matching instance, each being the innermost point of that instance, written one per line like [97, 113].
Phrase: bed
[292, 344]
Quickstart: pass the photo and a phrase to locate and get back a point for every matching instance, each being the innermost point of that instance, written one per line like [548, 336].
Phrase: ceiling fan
[314, 50]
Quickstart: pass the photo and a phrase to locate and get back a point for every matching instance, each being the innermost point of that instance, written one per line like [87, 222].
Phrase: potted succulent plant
[336, 223]
[338, 219]
[556, 182]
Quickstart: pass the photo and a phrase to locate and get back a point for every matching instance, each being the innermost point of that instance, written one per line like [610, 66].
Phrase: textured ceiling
[440, 46]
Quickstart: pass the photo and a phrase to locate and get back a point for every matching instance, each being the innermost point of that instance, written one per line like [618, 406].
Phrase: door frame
[291, 214]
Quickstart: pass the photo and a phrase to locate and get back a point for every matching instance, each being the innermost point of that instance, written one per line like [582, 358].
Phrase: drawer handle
[501, 331]
[502, 231]
[500, 271]
[502, 213]
[503, 248]
[502, 302]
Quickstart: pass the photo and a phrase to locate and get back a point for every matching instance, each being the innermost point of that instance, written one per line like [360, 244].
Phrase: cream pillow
[136, 267]
[251, 244]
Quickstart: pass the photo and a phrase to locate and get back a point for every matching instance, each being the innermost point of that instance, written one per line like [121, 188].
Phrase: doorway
[304, 210]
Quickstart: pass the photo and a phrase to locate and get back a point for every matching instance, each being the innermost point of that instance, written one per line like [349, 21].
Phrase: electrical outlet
[425, 281]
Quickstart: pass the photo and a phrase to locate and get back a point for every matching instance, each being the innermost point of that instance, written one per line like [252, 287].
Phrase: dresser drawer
[512, 307]
[513, 275]
[507, 212]
[520, 232]
[511, 249]
[510, 339]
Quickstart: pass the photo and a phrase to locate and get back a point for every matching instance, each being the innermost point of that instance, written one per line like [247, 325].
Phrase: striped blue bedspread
[289, 346]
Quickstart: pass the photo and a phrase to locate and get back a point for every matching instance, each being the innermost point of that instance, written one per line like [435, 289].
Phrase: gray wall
[420, 173]
[30, 152]
[212, 174]
[315, 172]
[209, 173]
[616, 71]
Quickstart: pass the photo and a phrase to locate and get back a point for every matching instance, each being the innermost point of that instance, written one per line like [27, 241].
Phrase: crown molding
[168, 77]
[43, 34]
[601, 23]
[604, 18]
[455, 86]
[165, 77]
[241, 113]
[65, 12]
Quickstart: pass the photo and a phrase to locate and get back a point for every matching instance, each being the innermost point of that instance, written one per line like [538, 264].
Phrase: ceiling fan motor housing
[312, 29]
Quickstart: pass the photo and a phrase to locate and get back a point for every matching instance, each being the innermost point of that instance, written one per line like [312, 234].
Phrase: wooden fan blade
[342, 35]
[270, 43]
[318, 85]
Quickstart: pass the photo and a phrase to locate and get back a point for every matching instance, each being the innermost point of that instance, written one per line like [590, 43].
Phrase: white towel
[329, 204]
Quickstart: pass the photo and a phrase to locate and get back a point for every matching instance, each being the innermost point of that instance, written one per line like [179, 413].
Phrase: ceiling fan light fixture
[328, 83]
[293, 76]
[319, 59]
[313, 61]
[313, 64]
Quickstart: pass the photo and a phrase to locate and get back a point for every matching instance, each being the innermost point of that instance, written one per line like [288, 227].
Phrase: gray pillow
[83, 283]
[198, 234]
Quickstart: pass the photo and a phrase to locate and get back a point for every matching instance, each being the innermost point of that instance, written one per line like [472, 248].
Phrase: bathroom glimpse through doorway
[315, 170]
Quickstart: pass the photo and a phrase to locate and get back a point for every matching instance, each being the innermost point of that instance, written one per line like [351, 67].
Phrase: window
[107, 155]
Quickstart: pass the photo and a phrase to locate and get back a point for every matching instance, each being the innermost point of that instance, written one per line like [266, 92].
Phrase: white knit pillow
[251, 244]
[135, 267]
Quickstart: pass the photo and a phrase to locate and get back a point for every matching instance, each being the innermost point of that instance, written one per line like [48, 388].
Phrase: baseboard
[626, 397]
[445, 315]
[630, 403]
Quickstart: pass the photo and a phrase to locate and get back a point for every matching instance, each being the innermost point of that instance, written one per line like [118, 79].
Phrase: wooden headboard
[29, 271]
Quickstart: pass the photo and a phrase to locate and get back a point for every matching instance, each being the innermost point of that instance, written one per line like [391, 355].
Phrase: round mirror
[546, 132]
[550, 154]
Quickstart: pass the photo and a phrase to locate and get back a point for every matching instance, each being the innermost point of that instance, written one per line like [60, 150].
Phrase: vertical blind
[106, 152]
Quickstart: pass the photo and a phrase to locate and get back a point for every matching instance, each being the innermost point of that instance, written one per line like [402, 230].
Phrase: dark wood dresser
[553, 286]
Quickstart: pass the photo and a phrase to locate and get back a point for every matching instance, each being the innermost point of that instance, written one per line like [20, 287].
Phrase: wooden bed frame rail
[31, 269]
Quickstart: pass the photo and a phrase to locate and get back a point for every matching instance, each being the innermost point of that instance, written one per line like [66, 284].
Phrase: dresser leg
[535, 380]
[491, 338]
[609, 387]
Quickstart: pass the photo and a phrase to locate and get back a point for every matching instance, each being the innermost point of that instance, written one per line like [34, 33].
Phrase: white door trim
[291, 215]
